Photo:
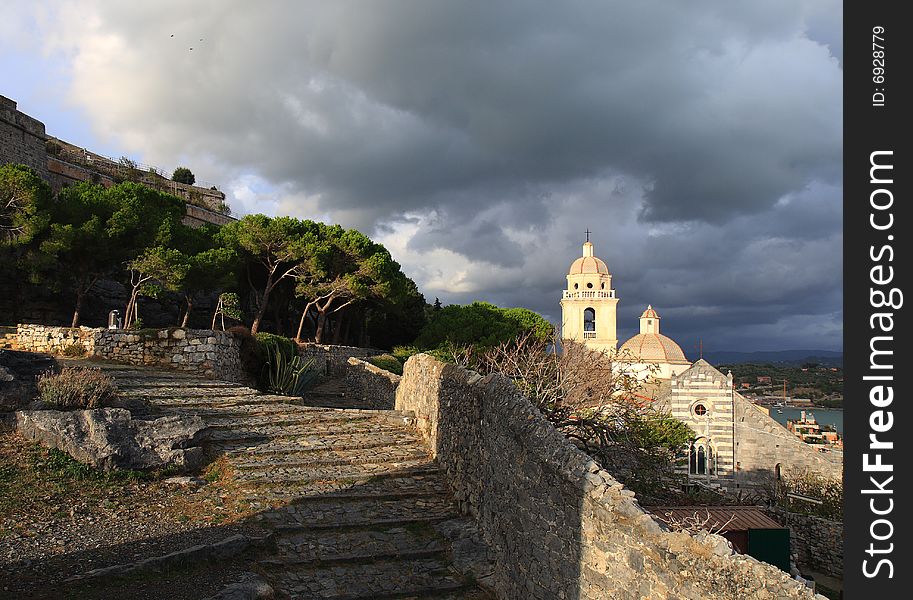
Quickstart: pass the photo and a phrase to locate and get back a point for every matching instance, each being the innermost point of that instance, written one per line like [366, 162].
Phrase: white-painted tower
[588, 304]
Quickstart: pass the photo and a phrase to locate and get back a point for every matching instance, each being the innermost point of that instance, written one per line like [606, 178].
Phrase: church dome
[654, 347]
[650, 313]
[588, 264]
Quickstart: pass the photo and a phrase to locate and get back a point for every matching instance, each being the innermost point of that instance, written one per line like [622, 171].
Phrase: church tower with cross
[589, 303]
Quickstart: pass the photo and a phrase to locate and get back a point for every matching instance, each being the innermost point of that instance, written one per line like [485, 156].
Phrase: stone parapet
[560, 526]
[213, 354]
[333, 360]
[375, 387]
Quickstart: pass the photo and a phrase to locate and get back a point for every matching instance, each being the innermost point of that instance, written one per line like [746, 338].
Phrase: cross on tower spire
[588, 232]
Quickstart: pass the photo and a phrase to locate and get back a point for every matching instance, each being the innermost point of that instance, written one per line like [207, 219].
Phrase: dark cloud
[700, 140]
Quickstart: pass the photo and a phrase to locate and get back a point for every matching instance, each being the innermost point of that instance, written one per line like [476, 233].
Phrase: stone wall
[558, 525]
[213, 354]
[373, 386]
[333, 360]
[761, 444]
[22, 138]
[817, 542]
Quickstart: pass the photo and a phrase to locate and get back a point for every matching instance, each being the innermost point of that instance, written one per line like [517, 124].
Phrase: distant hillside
[779, 357]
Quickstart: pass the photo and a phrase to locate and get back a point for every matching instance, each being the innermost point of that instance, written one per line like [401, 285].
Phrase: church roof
[650, 313]
[654, 347]
[588, 265]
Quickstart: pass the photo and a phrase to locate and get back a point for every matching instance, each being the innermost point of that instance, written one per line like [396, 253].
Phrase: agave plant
[288, 376]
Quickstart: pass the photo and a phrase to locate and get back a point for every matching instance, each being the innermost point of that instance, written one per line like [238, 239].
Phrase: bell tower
[588, 305]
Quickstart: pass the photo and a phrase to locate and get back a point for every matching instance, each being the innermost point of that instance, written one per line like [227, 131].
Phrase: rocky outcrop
[110, 439]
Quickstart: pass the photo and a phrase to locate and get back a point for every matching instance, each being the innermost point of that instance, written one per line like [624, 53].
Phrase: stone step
[342, 442]
[285, 475]
[186, 392]
[304, 483]
[403, 486]
[293, 432]
[380, 580]
[256, 423]
[329, 513]
[324, 458]
[356, 545]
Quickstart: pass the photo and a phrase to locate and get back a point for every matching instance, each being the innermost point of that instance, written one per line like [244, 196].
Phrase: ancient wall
[560, 526]
[22, 138]
[761, 444]
[373, 386]
[213, 354]
[816, 542]
[333, 360]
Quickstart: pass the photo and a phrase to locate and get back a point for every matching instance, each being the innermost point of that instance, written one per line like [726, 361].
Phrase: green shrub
[402, 353]
[286, 346]
[183, 175]
[76, 388]
[75, 350]
[388, 362]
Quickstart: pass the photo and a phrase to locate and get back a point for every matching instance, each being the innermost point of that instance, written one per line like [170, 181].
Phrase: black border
[869, 128]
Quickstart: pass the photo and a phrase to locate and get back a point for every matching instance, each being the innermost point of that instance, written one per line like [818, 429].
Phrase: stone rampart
[333, 360]
[817, 542]
[22, 138]
[213, 354]
[560, 526]
[762, 444]
[373, 386]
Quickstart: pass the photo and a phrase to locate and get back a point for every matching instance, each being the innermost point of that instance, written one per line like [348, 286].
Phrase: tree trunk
[80, 296]
[261, 310]
[321, 323]
[189, 299]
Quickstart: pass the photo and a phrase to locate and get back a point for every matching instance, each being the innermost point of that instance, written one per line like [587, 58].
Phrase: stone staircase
[358, 507]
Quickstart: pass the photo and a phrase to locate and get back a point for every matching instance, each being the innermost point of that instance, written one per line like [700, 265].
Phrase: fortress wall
[762, 443]
[213, 354]
[558, 525]
[817, 542]
[22, 139]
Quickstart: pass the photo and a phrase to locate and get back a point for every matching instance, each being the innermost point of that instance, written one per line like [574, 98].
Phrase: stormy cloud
[701, 142]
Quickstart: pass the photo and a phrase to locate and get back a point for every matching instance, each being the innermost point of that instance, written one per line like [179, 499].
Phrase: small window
[576, 285]
[649, 321]
[602, 285]
[589, 285]
[700, 410]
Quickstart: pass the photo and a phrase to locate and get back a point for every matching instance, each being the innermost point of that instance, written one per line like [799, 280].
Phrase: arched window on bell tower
[589, 319]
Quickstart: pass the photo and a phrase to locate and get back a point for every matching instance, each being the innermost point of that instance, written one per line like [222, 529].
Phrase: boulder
[110, 439]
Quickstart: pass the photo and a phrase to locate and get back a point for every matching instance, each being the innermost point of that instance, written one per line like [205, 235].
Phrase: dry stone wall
[373, 386]
[817, 542]
[213, 354]
[333, 360]
[559, 525]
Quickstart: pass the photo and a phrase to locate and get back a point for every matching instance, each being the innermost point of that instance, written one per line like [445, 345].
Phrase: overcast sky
[700, 141]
